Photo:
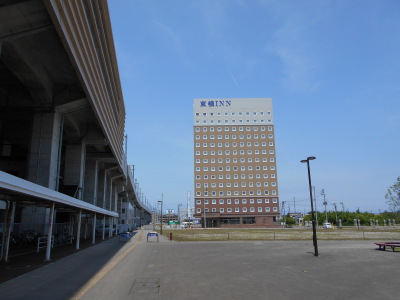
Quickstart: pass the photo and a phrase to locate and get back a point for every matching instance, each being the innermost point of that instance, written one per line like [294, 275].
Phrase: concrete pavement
[215, 270]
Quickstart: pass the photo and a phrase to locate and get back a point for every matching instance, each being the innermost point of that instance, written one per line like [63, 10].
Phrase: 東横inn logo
[215, 103]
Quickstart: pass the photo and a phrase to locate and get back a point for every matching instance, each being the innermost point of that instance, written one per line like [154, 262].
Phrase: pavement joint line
[103, 272]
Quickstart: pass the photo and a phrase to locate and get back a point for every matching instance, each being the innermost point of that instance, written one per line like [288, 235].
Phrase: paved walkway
[215, 270]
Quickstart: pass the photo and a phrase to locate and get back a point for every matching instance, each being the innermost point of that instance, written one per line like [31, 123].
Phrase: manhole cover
[19, 267]
[143, 286]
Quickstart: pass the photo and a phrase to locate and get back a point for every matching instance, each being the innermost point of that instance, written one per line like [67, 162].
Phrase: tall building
[236, 183]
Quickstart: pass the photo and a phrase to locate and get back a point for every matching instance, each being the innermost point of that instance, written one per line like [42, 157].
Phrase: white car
[327, 225]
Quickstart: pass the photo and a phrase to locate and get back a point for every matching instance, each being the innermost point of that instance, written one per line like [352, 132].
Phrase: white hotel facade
[235, 176]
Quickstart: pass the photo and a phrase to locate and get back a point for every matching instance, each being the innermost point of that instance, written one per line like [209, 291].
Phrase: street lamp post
[161, 223]
[179, 214]
[312, 205]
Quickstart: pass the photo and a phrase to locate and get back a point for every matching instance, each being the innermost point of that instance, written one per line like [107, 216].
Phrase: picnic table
[383, 245]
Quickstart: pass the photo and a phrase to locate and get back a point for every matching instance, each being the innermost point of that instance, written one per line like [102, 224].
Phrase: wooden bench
[383, 245]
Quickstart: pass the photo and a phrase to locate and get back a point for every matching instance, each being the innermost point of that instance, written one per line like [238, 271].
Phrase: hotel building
[235, 176]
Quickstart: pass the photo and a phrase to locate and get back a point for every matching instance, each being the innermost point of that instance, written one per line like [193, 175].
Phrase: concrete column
[91, 182]
[44, 149]
[101, 191]
[74, 172]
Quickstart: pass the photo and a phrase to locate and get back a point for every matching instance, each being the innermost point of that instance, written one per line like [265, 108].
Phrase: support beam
[9, 222]
[94, 230]
[78, 231]
[50, 231]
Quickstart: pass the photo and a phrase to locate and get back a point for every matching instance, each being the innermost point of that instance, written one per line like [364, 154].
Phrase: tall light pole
[312, 204]
[179, 214]
[161, 223]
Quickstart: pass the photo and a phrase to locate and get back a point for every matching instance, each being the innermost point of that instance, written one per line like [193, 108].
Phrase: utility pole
[325, 203]
[294, 203]
[337, 223]
[315, 206]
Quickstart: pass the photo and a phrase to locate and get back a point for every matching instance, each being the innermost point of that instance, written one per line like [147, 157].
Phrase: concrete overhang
[21, 190]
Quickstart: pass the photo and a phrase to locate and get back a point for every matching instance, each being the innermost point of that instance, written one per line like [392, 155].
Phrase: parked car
[327, 225]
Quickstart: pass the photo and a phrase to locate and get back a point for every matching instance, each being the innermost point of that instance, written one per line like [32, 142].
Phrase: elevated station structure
[62, 119]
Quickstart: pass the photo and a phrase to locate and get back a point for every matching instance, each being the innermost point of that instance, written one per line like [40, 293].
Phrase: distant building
[235, 175]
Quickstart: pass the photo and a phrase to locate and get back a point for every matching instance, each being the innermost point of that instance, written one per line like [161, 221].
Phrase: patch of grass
[279, 234]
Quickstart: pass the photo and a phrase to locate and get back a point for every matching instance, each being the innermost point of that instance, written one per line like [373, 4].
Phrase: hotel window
[247, 113]
[214, 201]
[212, 129]
[275, 209]
[265, 183]
[256, 136]
[269, 128]
[228, 201]
[265, 175]
[221, 184]
[271, 159]
[197, 129]
[206, 209]
[262, 128]
[251, 209]
[198, 210]
[221, 210]
[204, 144]
[213, 193]
[273, 192]
[198, 193]
[244, 193]
[270, 136]
[198, 169]
[197, 144]
[197, 161]
[271, 144]
[260, 209]
[205, 176]
[244, 209]
[197, 177]
[198, 202]
[229, 209]
[214, 209]
[212, 137]
[259, 200]
[236, 201]
[233, 128]
[219, 129]
[272, 175]
[251, 201]
[244, 201]
[272, 168]
[259, 192]
[197, 152]
[266, 192]
[221, 201]
[198, 185]
[273, 183]
[267, 209]
[236, 209]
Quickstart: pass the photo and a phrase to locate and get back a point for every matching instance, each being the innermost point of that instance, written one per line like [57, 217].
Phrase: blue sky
[332, 69]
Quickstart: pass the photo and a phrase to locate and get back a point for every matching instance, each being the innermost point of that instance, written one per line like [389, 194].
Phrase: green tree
[393, 196]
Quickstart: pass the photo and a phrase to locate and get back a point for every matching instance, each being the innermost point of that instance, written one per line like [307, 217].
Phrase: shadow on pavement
[24, 262]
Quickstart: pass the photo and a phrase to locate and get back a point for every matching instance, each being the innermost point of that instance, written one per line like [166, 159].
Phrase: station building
[235, 175]
[63, 164]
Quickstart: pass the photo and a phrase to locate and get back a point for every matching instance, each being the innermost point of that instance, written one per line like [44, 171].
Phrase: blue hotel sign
[215, 103]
